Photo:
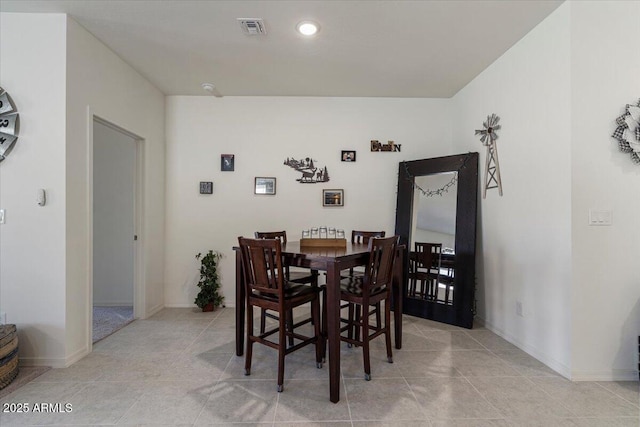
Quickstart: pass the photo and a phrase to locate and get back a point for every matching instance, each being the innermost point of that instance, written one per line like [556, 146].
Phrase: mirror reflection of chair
[368, 291]
[292, 275]
[424, 269]
[266, 287]
[447, 275]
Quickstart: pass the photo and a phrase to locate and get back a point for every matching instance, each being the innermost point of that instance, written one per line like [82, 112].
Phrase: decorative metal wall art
[311, 173]
[389, 146]
[9, 124]
[492, 166]
[628, 131]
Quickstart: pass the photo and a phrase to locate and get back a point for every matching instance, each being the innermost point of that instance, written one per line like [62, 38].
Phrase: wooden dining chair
[367, 292]
[362, 238]
[292, 275]
[424, 269]
[266, 287]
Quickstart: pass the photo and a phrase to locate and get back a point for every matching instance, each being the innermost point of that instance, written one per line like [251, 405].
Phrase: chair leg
[315, 315]
[387, 329]
[357, 321]
[350, 324]
[365, 343]
[281, 350]
[290, 326]
[378, 316]
[248, 353]
[263, 320]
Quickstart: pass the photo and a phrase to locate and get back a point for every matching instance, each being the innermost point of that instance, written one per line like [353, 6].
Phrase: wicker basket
[8, 354]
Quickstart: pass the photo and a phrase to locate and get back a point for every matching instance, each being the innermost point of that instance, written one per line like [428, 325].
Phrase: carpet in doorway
[107, 320]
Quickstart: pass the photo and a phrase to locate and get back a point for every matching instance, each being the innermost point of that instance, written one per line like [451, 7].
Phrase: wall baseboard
[153, 311]
[54, 362]
[193, 305]
[560, 368]
[613, 375]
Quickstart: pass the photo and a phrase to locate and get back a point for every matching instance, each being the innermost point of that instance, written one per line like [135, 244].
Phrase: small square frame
[206, 187]
[333, 198]
[348, 156]
[264, 186]
[227, 162]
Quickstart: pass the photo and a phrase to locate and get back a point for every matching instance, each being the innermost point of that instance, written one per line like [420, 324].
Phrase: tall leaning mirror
[436, 216]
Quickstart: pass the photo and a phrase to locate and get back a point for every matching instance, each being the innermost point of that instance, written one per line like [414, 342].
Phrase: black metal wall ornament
[628, 131]
[311, 174]
[390, 146]
[9, 124]
[492, 166]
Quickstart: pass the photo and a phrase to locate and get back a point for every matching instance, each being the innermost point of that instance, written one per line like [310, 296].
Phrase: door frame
[138, 214]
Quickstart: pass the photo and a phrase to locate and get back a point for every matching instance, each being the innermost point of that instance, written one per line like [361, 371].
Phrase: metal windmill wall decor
[628, 132]
[492, 166]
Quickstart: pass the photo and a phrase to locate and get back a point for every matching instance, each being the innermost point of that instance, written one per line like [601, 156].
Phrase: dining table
[331, 260]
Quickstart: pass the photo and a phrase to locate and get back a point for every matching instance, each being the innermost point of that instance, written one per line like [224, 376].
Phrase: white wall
[524, 248]
[32, 242]
[262, 132]
[605, 75]
[114, 167]
[99, 81]
[558, 92]
[56, 71]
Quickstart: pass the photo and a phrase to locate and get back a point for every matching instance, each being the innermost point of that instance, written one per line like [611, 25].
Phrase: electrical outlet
[519, 311]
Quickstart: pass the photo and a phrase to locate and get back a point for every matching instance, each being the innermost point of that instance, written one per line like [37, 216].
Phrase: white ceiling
[364, 48]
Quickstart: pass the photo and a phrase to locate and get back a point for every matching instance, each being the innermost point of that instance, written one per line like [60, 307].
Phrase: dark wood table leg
[397, 298]
[240, 308]
[333, 330]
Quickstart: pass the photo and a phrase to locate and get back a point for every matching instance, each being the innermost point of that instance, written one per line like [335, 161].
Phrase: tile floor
[178, 368]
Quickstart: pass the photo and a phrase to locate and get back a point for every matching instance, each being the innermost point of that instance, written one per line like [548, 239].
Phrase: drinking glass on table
[331, 233]
[306, 234]
[323, 232]
[314, 233]
[339, 234]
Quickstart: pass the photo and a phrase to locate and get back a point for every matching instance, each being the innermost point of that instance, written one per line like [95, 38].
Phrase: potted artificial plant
[209, 297]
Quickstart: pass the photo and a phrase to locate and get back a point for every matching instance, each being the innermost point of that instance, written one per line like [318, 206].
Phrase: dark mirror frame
[462, 311]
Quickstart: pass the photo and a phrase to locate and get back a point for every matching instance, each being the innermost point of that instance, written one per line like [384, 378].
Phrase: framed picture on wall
[265, 185]
[206, 187]
[333, 198]
[227, 162]
[348, 156]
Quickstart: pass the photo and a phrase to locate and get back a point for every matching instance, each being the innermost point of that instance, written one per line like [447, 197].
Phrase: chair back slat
[379, 270]
[262, 266]
[362, 237]
[280, 235]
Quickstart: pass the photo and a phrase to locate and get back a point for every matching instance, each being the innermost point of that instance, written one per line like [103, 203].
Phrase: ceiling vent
[253, 26]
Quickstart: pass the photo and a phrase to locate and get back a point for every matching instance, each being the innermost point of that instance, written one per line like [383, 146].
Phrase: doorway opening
[116, 195]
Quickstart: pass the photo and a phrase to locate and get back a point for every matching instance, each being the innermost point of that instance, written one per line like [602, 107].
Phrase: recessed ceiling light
[208, 87]
[307, 28]
[211, 89]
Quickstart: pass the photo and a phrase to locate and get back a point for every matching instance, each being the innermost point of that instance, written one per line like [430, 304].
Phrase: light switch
[600, 217]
